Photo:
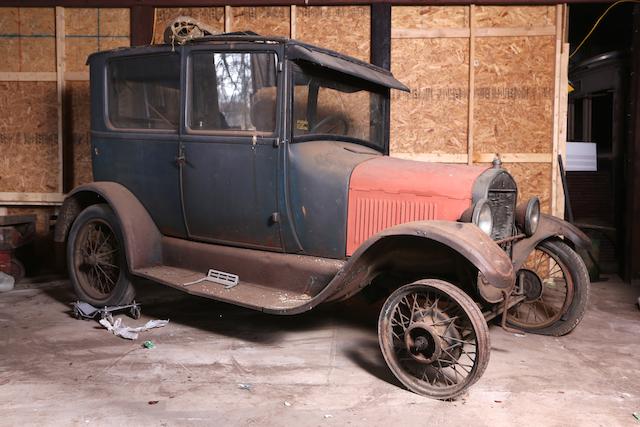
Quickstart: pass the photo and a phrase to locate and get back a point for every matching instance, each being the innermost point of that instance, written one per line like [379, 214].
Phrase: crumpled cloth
[127, 332]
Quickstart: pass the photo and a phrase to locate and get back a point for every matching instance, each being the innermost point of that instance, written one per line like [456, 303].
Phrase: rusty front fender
[465, 240]
[142, 239]
[549, 227]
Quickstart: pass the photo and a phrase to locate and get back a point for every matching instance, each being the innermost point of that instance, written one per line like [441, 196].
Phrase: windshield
[329, 105]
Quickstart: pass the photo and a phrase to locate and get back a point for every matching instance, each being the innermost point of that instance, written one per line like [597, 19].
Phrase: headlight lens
[482, 216]
[528, 216]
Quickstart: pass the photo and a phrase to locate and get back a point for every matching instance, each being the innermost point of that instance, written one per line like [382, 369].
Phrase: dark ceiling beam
[187, 3]
[141, 25]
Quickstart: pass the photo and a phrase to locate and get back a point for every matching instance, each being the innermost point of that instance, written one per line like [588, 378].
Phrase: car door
[230, 147]
[136, 140]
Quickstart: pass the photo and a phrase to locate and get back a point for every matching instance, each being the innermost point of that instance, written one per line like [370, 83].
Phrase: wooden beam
[228, 19]
[380, 42]
[76, 76]
[30, 199]
[293, 14]
[60, 88]
[562, 139]
[433, 157]
[472, 82]
[439, 33]
[556, 112]
[513, 157]
[28, 76]
[205, 3]
[141, 24]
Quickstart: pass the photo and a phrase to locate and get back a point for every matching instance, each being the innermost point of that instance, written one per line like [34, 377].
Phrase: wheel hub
[530, 284]
[423, 343]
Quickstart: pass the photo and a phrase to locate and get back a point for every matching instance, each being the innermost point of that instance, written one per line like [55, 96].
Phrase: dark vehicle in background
[255, 170]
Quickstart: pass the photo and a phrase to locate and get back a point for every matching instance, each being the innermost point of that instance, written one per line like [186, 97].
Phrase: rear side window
[144, 92]
[233, 91]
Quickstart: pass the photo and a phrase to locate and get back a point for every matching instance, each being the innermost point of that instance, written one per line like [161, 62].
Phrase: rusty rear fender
[142, 239]
[549, 227]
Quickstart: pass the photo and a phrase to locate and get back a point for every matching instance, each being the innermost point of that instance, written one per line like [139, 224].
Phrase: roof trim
[204, 3]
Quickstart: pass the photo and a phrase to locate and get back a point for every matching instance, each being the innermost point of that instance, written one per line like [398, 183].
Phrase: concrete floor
[321, 368]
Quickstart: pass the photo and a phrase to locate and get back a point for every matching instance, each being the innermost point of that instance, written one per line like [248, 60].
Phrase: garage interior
[490, 78]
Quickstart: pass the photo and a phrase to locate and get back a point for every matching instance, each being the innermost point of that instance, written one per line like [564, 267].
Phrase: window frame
[237, 48]
[107, 88]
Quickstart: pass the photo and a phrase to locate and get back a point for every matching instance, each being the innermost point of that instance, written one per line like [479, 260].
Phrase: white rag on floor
[128, 332]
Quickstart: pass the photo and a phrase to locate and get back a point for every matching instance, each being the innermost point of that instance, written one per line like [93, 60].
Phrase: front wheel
[434, 338]
[96, 259]
[555, 283]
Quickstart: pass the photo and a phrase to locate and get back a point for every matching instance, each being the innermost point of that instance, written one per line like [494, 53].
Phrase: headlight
[528, 216]
[482, 216]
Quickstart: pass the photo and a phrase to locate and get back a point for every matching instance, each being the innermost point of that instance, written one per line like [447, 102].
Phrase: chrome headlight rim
[528, 216]
[482, 216]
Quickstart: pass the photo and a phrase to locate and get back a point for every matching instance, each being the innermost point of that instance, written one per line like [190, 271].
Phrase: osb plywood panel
[345, 29]
[433, 118]
[28, 39]
[114, 22]
[514, 89]
[515, 16]
[77, 50]
[268, 21]
[78, 107]
[533, 179]
[37, 54]
[423, 17]
[81, 21]
[37, 21]
[212, 16]
[106, 43]
[28, 137]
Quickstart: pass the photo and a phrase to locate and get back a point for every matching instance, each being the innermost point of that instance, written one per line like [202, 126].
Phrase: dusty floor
[321, 368]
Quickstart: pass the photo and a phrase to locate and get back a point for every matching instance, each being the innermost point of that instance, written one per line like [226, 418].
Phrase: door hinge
[274, 218]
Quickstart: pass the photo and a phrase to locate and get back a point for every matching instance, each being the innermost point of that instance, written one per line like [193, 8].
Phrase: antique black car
[255, 170]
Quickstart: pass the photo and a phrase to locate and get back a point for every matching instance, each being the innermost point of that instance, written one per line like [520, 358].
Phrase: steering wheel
[334, 124]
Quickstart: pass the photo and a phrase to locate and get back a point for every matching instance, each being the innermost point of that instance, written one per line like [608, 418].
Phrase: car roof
[296, 50]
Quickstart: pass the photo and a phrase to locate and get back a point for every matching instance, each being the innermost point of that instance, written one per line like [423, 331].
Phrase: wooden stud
[27, 76]
[513, 157]
[430, 33]
[228, 17]
[472, 82]
[38, 199]
[556, 111]
[562, 139]
[60, 68]
[293, 17]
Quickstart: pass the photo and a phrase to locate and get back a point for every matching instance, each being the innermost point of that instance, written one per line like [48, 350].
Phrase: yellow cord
[598, 23]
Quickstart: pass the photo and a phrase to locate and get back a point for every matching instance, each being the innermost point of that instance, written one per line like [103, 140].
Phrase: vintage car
[255, 171]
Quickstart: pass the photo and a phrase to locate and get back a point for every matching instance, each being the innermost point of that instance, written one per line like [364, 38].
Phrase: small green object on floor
[148, 344]
[636, 415]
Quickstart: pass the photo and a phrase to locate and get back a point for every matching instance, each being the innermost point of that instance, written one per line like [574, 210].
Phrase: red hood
[386, 191]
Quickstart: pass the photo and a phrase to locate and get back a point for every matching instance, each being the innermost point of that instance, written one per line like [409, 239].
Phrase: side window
[233, 91]
[144, 92]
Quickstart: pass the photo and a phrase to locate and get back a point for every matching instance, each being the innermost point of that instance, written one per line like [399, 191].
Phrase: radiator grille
[503, 205]
[374, 215]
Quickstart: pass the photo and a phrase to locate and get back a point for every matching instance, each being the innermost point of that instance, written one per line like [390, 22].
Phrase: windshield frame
[382, 146]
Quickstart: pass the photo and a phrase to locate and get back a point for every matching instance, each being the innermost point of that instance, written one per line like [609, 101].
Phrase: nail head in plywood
[268, 21]
[325, 26]
[432, 118]
[211, 16]
[515, 83]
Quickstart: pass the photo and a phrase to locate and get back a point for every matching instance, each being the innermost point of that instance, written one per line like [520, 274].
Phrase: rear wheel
[555, 283]
[434, 338]
[96, 259]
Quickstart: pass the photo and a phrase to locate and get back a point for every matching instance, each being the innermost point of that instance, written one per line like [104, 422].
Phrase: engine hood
[387, 191]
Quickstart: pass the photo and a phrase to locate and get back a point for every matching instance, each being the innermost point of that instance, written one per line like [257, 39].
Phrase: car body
[255, 170]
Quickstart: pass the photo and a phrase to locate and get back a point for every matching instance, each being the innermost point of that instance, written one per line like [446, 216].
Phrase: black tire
[99, 274]
[426, 330]
[577, 281]
[17, 270]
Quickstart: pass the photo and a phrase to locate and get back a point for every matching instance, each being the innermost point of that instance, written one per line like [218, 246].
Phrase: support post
[380, 42]
[141, 25]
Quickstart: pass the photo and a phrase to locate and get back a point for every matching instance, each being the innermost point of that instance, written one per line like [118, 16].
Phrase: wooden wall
[483, 79]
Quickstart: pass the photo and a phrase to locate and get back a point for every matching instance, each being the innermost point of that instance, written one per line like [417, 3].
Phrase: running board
[243, 293]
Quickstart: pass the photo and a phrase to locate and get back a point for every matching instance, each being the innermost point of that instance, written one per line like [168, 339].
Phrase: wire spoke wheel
[546, 283]
[97, 259]
[434, 338]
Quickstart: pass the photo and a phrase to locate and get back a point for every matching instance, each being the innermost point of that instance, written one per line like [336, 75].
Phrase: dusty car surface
[255, 170]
